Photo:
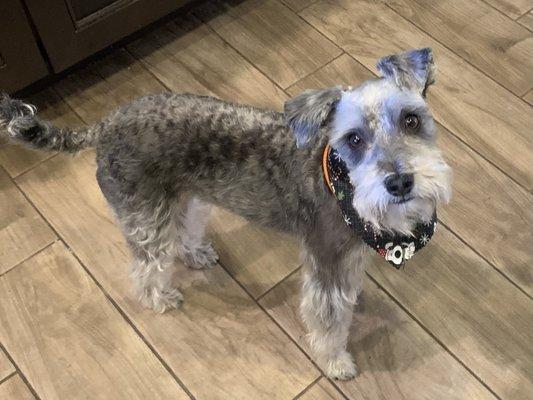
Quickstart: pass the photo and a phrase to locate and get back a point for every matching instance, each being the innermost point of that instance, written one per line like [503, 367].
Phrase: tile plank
[496, 45]
[322, 390]
[465, 101]
[257, 257]
[22, 231]
[17, 159]
[512, 8]
[220, 335]
[396, 359]
[15, 389]
[186, 56]
[49, 306]
[481, 217]
[270, 36]
[6, 368]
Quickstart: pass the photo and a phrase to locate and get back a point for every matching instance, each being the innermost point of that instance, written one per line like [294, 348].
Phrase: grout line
[528, 92]
[306, 389]
[486, 260]
[12, 374]
[35, 165]
[457, 55]
[434, 337]
[530, 30]
[144, 65]
[521, 15]
[286, 277]
[441, 123]
[113, 302]
[336, 386]
[30, 256]
[17, 370]
[312, 72]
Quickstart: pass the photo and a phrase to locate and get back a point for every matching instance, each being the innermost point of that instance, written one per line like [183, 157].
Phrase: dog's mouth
[402, 200]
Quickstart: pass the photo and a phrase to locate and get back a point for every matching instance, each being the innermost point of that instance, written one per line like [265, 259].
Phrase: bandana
[395, 248]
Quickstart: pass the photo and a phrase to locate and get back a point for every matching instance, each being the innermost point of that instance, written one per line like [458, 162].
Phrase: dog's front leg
[330, 290]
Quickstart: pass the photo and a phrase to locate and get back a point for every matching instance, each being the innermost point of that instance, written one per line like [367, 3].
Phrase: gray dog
[164, 159]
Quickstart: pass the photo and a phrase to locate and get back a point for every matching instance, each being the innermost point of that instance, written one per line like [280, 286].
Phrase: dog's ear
[308, 111]
[413, 69]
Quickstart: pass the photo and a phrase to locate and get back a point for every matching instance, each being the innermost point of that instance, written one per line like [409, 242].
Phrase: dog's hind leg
[330, 291]
[150, 232]
[191, 246]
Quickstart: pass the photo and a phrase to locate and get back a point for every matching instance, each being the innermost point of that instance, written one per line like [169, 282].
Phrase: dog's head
[384, 132]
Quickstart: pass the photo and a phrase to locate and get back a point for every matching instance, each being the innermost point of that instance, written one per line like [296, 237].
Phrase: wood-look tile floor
[456, 324]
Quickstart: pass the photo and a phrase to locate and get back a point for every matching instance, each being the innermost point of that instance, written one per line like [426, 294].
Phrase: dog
[164, 160]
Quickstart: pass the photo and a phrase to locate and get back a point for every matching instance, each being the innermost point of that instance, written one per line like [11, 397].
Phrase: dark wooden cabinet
[71, 30]
[21, 62]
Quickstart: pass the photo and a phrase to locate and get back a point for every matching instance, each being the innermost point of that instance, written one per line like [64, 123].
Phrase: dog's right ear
[308, 111]
[413, 69]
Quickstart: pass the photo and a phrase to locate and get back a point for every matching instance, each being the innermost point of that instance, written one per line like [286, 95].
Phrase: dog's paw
[341, 367]
[162, 300]
[203, 257]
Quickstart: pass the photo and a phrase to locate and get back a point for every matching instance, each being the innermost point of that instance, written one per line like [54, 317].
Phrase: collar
[395, 248]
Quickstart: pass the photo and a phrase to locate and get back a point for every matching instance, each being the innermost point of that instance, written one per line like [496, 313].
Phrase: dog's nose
[400, 184]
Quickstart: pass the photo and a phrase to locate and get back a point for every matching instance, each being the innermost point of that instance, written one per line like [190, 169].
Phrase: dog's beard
[375, 205]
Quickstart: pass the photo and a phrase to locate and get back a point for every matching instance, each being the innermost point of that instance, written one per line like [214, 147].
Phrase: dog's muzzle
[395, 248]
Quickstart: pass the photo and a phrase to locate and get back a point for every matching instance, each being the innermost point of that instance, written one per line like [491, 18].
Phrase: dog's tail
[18, 121]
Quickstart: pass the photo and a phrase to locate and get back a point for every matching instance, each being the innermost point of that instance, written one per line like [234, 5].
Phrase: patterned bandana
[395, 248]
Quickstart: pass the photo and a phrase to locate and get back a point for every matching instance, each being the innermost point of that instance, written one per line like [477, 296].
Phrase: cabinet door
[21, 62]
[74, 29]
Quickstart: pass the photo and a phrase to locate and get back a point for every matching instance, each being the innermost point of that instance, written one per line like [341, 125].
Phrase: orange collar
[325, 171]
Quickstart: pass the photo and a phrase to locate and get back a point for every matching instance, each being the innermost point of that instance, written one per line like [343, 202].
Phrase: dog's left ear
[413, 70]
[307, 112]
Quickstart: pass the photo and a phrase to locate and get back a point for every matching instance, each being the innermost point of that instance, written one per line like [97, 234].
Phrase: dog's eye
[354, 140]
[411, 122]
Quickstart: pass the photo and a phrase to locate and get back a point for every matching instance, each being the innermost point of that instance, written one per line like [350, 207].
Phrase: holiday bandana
[395, 248]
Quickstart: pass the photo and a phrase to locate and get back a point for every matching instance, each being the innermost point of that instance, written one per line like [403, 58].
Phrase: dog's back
[167, 144]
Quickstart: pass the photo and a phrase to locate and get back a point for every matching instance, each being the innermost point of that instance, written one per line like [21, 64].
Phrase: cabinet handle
[2, 62]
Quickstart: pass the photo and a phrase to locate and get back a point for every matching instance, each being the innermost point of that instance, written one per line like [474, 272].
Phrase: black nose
[400, 184]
